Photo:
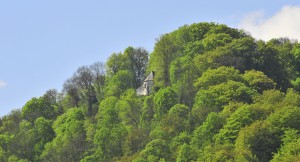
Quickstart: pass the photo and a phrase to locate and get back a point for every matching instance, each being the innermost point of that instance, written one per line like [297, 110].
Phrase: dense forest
[218, 95]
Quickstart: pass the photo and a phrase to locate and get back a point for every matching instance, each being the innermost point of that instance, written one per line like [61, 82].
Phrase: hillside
[218, 95]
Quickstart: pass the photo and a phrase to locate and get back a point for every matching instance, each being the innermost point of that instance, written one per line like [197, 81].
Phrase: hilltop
[217, 95]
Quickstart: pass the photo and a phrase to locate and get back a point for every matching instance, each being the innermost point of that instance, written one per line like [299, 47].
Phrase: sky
[42, 43]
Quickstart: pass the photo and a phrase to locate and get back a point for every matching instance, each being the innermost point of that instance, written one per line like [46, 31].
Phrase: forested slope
[218, 95]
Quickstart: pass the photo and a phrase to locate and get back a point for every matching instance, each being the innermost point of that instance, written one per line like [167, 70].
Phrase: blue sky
[43, 42]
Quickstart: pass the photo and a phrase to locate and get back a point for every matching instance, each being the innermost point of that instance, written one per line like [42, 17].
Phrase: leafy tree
[292, 98]
[229, 109]
[259, 81]
[177, 141]
[269, 98]
[203, 135]
[213, 77]
[110, 134]
[212, 40]
[287, 54]
[43, 134]
[134, 60]
[194, 48]
[221, 28]
[219, 95]
[10, 123]
[99, 78]
[69, 143]
[156, 149]
[137, 62]
[186, 154]
[266, 60]
[165, 51]
[164, 99]
[84, 80]
[23, 142]
[287, 117]
[237, 54]
[176, 121]
[183, 75]
[147, 113]
[5, 141]
[198, 30]
[119, 83]
[2, 154]
[129, 109]
[115, 63]
[217, 153]
[215, 97]
[13, 158]
[290, 149]
[134, 142]
[72, 92]
[52, 97]
[242, 117]
[259, 140]
[86, 85]
[296, 84]
[37, 107]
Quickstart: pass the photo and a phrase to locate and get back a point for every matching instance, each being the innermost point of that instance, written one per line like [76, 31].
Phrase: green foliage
[286, 117]
[109, 141]
[260, 140]
[268, 61]
[110, 133]
[237, 54]
[147, 112]
[119, 83]
[183, 75]
[290, 150]
[218, 95]
[176, 121]
[217, 153]
[164, 99]
[137, 60]
[115, 63]
[212, 41]
[156, 149]
[203, 135]
[243, 116]
[186, 154]
[292, 98]
[135, 141]
[107, 110]
[13, 158]
[37, 107]
[43, 134]
[134, 60]
[269, 97]
[165, 51]
[296, 84]
[259, 81]
[10, 123]
[287, 52]
[69, 143]
[213, 77]
[178, 141]
[129, 109]
[215, 97]
[23, 142]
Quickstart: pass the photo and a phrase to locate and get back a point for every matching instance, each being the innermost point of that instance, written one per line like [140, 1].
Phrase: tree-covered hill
[218, 95]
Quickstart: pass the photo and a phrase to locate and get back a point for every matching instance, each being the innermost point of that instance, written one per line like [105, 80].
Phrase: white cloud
[285, 23]
[2, 84]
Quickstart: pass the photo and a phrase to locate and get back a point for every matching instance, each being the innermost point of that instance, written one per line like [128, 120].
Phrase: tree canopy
[218, 95]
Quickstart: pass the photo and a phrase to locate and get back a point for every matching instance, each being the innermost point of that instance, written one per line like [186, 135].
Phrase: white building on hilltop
[147, 85]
